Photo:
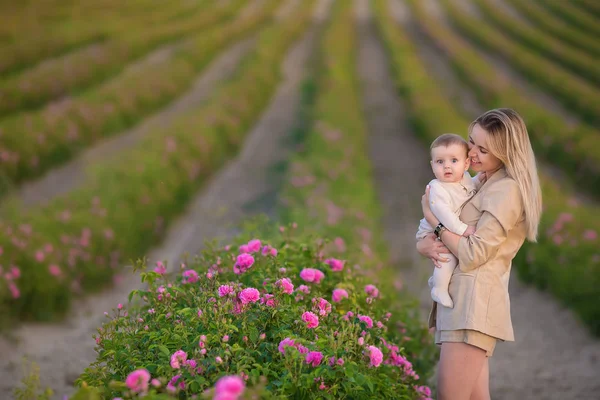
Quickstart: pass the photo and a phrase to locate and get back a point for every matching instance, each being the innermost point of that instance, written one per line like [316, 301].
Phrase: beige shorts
[474, 338]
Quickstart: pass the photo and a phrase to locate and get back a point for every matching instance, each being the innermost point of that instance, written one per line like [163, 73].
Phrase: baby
[448, 193]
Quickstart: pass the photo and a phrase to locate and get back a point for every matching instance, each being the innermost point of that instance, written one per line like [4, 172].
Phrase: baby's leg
[441, 281]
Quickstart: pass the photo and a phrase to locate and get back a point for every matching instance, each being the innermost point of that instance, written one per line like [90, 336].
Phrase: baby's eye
[439, 161]
[454, 160]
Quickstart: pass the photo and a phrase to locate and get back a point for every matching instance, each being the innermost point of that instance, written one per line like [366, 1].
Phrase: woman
[506, 211]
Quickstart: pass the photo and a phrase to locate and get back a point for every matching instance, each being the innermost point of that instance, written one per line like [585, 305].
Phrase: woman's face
[482, 160]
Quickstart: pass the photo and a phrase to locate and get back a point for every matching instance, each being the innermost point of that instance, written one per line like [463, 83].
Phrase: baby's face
[449, 163]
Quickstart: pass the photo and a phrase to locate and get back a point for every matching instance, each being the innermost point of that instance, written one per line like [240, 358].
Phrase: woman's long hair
[508, 140]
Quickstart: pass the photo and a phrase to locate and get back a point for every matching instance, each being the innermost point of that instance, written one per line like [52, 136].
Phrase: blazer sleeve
[502, 209]
[441, 205]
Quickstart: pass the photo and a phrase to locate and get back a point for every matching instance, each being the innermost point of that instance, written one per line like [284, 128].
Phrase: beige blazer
[479, 283]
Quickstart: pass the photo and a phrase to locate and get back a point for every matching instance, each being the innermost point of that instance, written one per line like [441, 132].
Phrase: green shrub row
[572, 15]
[575, 60]
[569, 89]
[556, 27]
[91, 65]
[76, 242]
[30, 39]
[568, 247]
[574, 149]
[33, 143]
[268, 345]
[590, 6]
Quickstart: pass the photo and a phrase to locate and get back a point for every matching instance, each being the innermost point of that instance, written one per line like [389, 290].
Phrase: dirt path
[554, 356]
[67, 177]
[245, 186]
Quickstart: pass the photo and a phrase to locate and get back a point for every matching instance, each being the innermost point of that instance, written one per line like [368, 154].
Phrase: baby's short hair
[448, 139]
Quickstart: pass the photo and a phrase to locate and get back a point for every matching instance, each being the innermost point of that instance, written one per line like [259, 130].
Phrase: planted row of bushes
[566, 259]
[590, 6]
[569, 89]
[31, 38]
[572, 15]
[76, 242]
[575, 150]
[292, 316]
[34, 143]
[575, 60]
[91, 65]
[556, 27]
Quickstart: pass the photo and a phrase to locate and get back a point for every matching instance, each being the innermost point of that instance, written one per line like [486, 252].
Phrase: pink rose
[268, 300]
[371, 291]
[253, 246]
[229, 387]
[338, 295]
[335, 264]
[190, 276]
[225, 290]
[375, 355]
[178, 358]
[366, 320]
[311, 275]
[287, 342]
[268, 250]
[138, 380]
[286, 285]
[324, 307]
[249, 295]
[314, 358]
[160, 268]
[312, 321]
[243, 262]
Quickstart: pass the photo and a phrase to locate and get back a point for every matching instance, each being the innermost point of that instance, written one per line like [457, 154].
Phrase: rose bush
[265, 326]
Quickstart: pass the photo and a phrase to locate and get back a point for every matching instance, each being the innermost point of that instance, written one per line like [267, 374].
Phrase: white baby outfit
[446, 200]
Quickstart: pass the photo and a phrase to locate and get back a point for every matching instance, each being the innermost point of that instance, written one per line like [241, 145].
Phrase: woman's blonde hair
[508, 140]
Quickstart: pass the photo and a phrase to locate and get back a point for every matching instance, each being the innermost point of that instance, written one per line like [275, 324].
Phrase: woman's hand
[432, 248]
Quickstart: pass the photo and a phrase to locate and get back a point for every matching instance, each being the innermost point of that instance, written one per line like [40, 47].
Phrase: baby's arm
[441, 206]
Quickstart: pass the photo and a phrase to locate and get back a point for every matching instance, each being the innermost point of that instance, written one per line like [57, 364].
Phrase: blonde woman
[506, 211]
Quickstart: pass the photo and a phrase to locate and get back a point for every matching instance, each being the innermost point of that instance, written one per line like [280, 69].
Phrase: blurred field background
[114, 115]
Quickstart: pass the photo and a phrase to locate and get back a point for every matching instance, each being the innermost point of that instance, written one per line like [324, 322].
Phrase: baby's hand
[481, 176]
[469, 231]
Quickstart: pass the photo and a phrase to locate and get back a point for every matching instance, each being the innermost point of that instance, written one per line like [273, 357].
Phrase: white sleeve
[441, 206]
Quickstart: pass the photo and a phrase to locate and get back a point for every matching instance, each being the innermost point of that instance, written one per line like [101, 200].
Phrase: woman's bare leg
[481, 391]
[459, 370]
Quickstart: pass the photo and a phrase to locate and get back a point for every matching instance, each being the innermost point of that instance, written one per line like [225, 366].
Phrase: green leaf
[163, 349]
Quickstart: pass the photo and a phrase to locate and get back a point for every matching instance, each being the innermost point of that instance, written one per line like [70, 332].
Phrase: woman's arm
[502, 209]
